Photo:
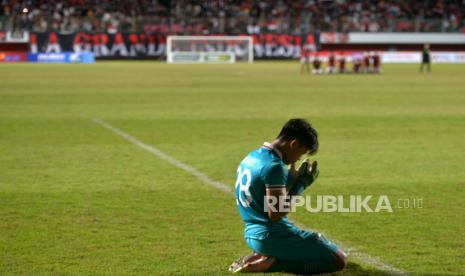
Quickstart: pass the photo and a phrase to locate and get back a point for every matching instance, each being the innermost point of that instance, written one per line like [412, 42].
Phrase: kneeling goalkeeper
[277, 244]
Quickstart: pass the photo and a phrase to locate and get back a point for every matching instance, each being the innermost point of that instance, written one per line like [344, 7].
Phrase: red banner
[153, 46]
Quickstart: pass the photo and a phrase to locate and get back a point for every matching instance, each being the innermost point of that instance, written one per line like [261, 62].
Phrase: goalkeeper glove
[306, 175]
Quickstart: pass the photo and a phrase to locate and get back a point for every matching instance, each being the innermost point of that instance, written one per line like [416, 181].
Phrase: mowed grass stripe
[89, 204]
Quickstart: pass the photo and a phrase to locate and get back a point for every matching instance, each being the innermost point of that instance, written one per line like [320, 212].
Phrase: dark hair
[301, 130]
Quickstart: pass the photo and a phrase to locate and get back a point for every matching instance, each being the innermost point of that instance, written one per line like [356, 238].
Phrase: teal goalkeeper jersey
[260, 169]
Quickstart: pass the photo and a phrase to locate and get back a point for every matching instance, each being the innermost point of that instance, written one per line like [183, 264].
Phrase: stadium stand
[233, 16]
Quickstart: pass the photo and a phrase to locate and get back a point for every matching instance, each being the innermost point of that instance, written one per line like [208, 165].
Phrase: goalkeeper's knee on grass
[255, 262]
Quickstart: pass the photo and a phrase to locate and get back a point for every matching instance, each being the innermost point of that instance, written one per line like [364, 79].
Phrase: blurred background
[280, 29]
[233, 17]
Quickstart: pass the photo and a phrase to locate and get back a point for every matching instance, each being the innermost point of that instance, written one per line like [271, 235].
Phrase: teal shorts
[293, 244]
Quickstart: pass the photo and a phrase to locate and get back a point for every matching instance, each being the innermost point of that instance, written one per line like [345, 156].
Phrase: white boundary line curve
[370, 260]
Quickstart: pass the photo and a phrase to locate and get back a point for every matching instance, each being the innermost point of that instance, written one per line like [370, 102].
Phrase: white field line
[370, 260]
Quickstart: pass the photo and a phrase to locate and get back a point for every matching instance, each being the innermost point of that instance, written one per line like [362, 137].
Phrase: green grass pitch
[77, 199]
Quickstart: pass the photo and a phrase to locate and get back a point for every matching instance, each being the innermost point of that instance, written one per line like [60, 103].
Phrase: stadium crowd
[233, 16]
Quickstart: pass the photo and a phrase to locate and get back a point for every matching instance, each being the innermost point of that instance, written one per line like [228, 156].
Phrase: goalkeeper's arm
[302, 178]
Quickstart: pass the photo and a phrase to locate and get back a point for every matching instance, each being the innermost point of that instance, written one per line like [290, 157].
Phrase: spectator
[238, 16]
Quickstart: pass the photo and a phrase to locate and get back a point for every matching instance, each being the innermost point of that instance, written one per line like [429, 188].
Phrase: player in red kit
[376, 63]
[317, 65]
[331, 64]
[342, 64]
[366, 62]
[356, 64]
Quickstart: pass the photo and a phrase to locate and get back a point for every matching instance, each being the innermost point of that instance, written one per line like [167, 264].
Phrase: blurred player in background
[317, 68]
[425, 58]
[277, 244]
[357, 63]
[376, 62]
[331, 64]
[342, 64]
[366, 62]
[305, 59]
